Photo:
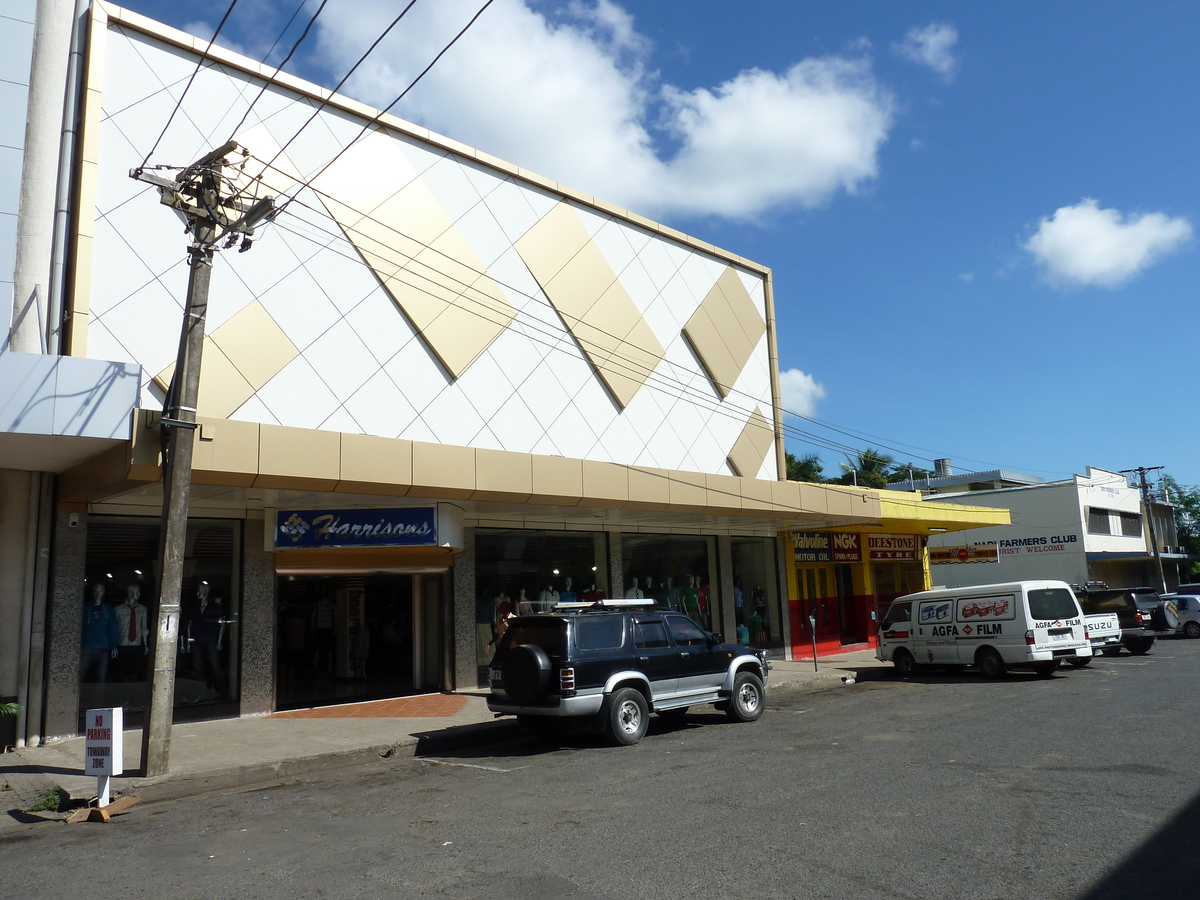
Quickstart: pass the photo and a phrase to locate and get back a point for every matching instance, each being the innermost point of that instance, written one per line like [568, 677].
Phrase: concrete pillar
[616, 566]
[258, 619]
[466, 673]
[784, 559]
[728, 621]
[39, 177]
[68, 561]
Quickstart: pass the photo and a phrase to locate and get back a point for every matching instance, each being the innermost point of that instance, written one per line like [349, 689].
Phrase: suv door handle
[644, 658]
[685, 653]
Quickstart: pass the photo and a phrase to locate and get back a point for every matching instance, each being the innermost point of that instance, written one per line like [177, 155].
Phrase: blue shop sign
[309, 528]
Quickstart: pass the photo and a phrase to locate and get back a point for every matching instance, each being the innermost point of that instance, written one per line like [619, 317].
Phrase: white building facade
[1087, 528]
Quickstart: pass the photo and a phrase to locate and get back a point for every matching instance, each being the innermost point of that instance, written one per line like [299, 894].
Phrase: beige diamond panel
[725, 329]
[393, 219]
[752, 446]
[238, 358]
[592, 302]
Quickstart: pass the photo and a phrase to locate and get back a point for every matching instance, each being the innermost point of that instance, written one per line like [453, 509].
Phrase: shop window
[121, 608]
[675, 571]
[756, 591]
[531, 571]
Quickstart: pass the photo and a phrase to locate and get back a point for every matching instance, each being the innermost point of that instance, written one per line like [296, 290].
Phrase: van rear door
[1056, 621]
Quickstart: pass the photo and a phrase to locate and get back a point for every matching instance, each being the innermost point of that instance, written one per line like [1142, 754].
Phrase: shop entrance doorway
[347, 638]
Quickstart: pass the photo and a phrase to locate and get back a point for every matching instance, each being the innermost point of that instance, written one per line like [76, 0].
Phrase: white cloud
[800, 392]
[932, 46]
[569, 93]
[1083, 244]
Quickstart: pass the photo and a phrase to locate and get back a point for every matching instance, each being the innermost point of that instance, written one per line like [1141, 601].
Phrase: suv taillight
[1137, 617]
[1030, 639]
[566, 680]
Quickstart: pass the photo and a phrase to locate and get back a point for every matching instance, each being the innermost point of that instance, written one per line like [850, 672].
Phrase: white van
[1023, 624]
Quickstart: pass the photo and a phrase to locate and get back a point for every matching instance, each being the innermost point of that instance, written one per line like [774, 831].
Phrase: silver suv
[610, 664]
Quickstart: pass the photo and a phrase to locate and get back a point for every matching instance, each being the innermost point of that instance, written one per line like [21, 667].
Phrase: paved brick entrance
[428, 706]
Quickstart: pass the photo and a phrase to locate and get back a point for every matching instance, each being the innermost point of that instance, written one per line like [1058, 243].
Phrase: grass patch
[49, 801]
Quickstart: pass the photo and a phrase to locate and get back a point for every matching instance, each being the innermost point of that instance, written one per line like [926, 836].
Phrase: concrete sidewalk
[260, 750]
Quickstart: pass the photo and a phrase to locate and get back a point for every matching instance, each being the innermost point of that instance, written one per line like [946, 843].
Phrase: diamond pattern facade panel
[411, 291]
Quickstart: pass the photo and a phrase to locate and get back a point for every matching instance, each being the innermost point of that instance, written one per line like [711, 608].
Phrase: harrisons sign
[309, 528]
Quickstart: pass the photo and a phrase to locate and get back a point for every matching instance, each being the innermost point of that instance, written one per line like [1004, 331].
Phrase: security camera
[73, 520]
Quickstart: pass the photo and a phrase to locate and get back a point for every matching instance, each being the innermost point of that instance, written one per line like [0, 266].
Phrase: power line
[383, 112]
[195, 72]
[279, 68]
[325, 101]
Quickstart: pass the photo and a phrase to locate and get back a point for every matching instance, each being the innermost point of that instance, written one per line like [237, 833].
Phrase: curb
[28, 785]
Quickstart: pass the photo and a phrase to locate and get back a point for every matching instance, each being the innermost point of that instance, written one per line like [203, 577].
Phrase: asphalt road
[941, 786]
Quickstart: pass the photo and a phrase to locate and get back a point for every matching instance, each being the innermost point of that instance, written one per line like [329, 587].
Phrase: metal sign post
[104, 749]
[812, 628]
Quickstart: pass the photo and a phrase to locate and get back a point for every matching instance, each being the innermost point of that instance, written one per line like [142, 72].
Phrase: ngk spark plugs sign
[892, 546]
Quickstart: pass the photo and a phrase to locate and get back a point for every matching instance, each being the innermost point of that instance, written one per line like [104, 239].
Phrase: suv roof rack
[601, 604]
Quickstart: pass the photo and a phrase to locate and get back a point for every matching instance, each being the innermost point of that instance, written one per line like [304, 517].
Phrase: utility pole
[1144, 485]
[211, 207]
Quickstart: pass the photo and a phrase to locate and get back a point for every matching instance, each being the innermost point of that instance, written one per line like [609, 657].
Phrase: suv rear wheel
[626, 716]
[747, 701]
[1137, 645]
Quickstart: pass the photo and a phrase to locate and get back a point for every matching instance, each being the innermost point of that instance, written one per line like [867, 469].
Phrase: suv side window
[650, 634]
[600, 632]
[686, 632]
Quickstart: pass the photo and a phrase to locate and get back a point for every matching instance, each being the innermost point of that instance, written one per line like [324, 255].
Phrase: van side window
[899, 612]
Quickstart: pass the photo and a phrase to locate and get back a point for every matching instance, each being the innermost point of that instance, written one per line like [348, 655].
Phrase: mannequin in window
[506, 615]
[634, 592]
[500, 603]
[739, 599]
[132, 634]
[568, 594]
[99, 643]
[691, 600]
[671, 593]
[702, 596]
[206, 636]
[547, 599]
[524, 605]
[360, 649]
[592, 594]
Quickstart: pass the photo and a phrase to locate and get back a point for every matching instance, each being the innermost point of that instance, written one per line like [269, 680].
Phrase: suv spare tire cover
[526, 673]
[1165, 616]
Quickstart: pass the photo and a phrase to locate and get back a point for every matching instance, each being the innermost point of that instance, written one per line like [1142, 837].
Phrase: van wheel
[1080, 661]
[905, 664]
[1046, 669]
[990, 663]
[626, 716]
[1192, 629]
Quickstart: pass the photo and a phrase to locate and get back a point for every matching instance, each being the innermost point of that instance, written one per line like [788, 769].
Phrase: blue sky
[980, 217]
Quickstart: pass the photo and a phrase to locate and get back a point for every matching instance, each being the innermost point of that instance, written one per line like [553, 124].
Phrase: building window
[120, 609]
[756, 591]
[1131, 524]
[530, 571]
[676, 571]
[1098, 521]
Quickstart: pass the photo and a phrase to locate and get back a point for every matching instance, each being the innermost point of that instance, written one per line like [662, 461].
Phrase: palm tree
[868, 468]
[806, 468]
